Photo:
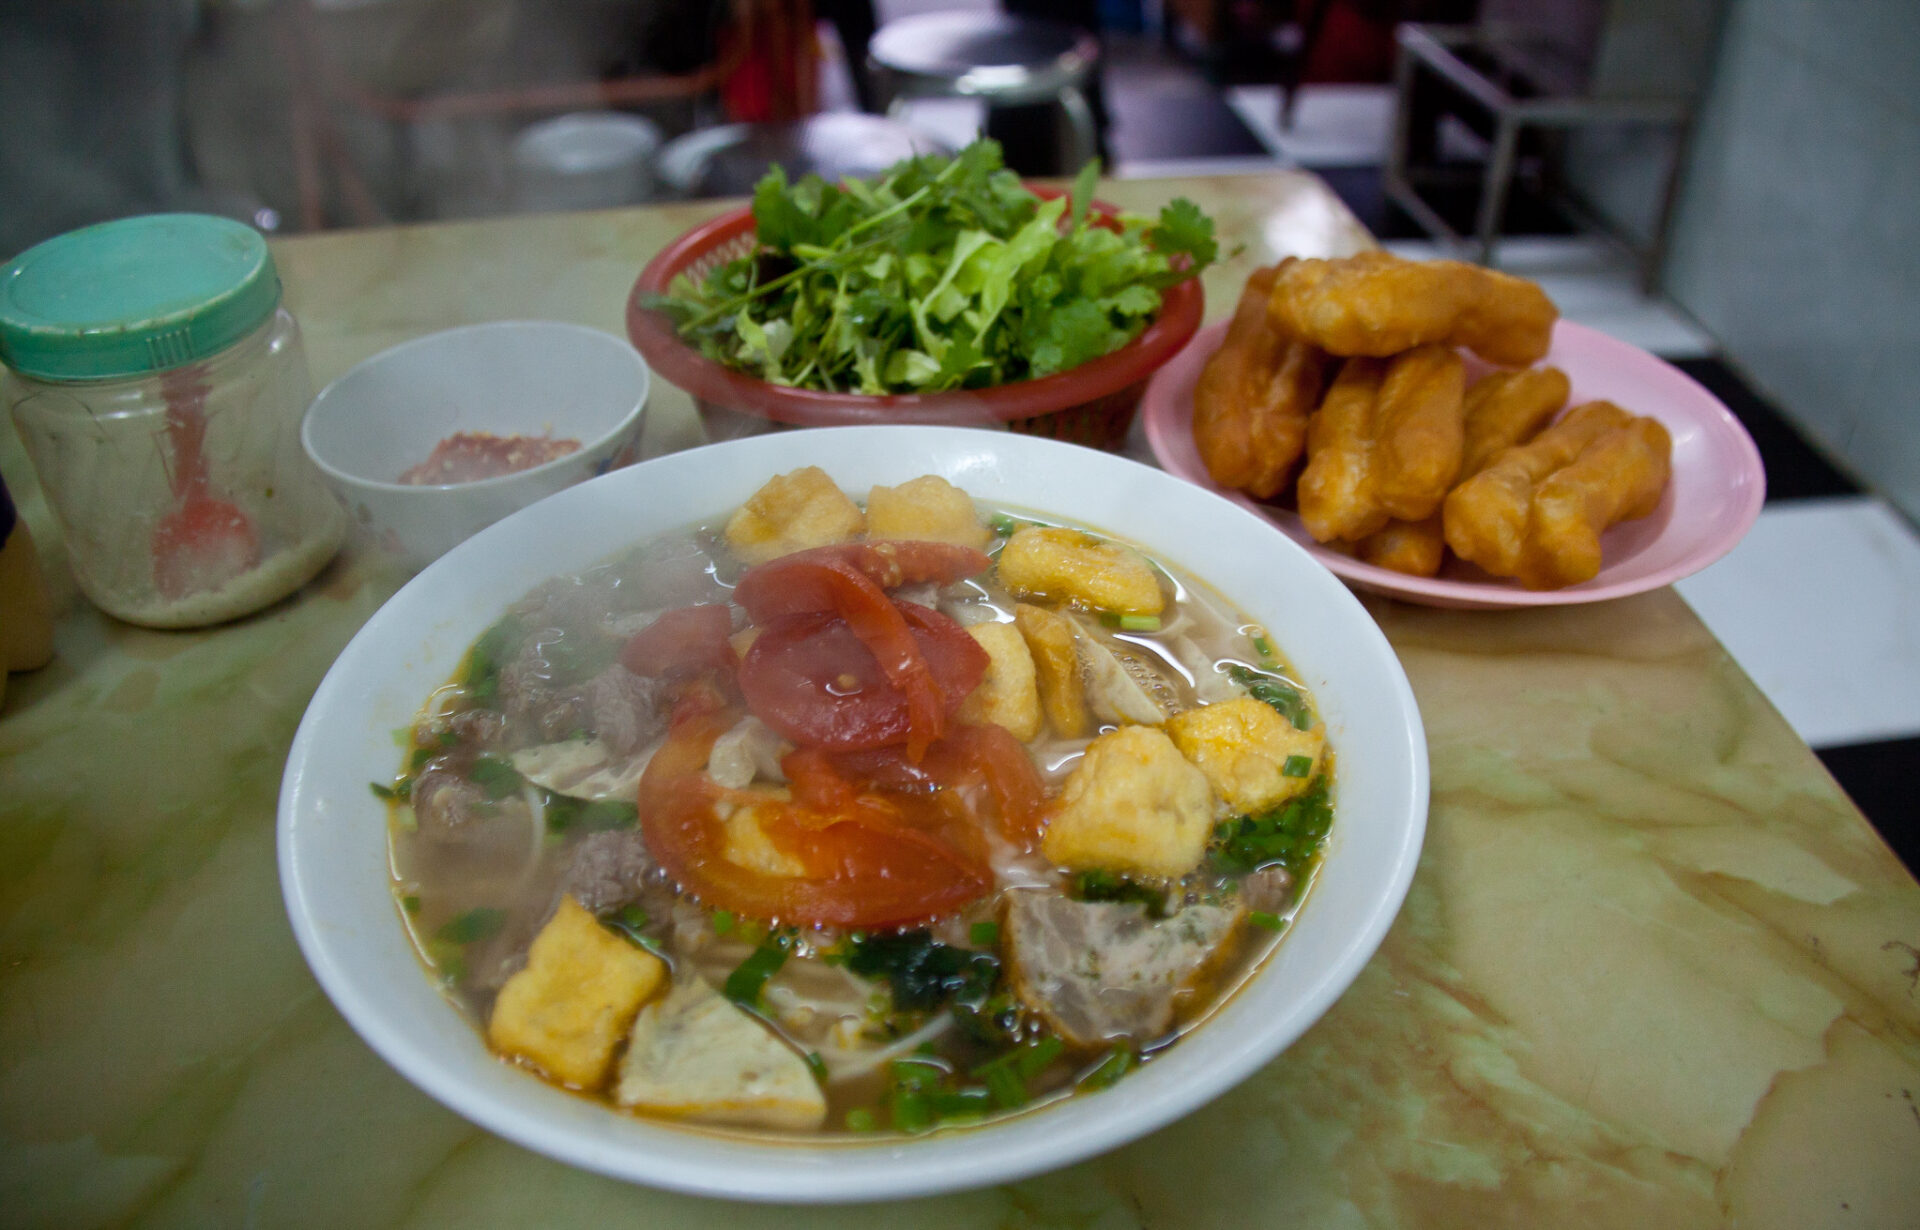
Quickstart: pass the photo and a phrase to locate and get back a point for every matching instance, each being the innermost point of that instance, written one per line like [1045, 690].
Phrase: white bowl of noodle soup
[333, 833]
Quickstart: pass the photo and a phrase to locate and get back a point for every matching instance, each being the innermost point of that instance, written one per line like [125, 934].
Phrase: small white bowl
[511, 377]
[334, 869]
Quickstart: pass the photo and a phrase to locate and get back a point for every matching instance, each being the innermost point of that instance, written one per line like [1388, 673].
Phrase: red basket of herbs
[944, 292]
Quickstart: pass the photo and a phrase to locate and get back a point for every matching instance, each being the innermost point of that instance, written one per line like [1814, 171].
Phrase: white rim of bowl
[478, 484]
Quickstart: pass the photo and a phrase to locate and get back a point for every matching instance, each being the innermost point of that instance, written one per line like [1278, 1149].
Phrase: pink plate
[1716, 492]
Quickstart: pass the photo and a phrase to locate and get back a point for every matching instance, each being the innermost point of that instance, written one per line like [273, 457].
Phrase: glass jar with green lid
[158, 384]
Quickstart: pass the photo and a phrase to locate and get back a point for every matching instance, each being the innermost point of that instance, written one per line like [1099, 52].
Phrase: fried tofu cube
[1134, 804]
[793, 512]
[1009, 694]
[1244, 747]
[1066, 565]
[568, 1009]
[693, 1055]
[1051, 641]
[925, 509]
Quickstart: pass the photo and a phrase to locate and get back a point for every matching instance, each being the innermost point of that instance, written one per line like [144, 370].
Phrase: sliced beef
[1268, 890]
[1101, 972]
[609, 870]
[448, 807]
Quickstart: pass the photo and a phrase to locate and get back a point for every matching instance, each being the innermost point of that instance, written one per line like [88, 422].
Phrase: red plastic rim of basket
[654, 336]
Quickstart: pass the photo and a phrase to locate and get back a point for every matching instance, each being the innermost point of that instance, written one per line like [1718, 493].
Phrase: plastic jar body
[183, 495]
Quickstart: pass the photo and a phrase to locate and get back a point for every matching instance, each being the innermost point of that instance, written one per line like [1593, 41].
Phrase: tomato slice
[871, 860]
[796, 582]
[682, 643]
[985, 756]
[812, 678]
[851, 580]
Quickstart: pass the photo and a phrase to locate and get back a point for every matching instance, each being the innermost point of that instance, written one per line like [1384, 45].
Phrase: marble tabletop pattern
[1654, 969]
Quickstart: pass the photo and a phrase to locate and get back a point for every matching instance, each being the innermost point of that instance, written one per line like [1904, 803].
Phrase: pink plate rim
[1718, 482]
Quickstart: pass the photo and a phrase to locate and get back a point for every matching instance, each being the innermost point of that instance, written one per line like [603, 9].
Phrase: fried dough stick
[1617, 478]
[1503, 408]
[1538, 510]
[1337, 496]
[1419, 431]
[1251, 404]
[1506, 408]
[1376, 304]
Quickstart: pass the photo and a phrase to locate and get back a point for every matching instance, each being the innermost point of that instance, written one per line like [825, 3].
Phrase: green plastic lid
[137, 295]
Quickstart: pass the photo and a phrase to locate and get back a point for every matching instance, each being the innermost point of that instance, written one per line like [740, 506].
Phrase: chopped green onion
[963, 1103]
[984, 934]
[410, 903]
[1117, 1064]
[399, 792]
[860, 1119]
[1263, 647]
[419, 759]
[1033, 1060]
[1130, 623]
[494, 776]
[473, 926]
[1004, 525]
[1007, 1088]
[1261, 918]
[449, 739]
[744, 984]
[722, 922]
[630, 921]
[566, 814]
[817, 1066]
[912, 1110]
[916, 1073]
[1296, 766]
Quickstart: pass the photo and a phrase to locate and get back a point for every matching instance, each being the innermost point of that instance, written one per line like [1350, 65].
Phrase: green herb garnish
[495, 777]
[944, 273]
[1130, 623]
[1105, 886]
[482, 675]
[1272, 690]
[1297, 766]
[399, 792]
[923, 973]
[984, 934]
[566, 814]
[1261, 918]
[1118, 1063]
[745, 983]
[1290, 834]
[471, 927]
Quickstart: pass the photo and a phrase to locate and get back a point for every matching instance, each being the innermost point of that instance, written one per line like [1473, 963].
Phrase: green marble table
[1655, 970]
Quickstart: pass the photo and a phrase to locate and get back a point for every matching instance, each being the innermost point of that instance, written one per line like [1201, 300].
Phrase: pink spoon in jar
[204, 542]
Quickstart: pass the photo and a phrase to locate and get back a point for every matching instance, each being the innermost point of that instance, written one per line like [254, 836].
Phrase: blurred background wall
[1797, 237]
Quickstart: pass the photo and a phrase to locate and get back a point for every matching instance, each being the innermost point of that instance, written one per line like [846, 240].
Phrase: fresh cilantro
[943, 273]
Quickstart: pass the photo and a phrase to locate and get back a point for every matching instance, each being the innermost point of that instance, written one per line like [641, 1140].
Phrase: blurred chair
[1004, 61]
[1511, 82]
[729, 160]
